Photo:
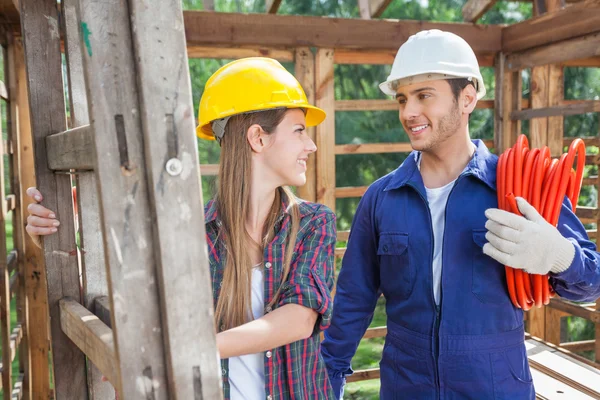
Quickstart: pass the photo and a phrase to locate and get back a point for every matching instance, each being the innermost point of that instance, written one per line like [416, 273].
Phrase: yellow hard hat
[248, 85]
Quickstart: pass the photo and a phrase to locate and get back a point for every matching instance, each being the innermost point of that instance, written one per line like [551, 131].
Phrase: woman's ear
[255, 138]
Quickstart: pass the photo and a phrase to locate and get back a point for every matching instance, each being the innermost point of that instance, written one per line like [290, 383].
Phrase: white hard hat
[431, 55]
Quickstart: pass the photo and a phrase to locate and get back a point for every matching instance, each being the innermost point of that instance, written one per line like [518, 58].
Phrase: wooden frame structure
[81, 323]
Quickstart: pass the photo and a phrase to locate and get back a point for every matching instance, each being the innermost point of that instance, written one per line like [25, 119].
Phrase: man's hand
[529, 242]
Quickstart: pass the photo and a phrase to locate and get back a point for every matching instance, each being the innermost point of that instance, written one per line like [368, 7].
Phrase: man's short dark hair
[457, 85]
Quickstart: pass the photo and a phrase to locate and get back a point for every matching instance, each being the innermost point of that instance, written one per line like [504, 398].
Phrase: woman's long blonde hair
[233, 203]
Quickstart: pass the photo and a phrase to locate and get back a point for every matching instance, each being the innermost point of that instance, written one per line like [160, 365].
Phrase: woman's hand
[40, 221]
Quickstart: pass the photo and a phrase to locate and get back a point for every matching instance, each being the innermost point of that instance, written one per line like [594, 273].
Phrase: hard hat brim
[314, 116]
[387, 87]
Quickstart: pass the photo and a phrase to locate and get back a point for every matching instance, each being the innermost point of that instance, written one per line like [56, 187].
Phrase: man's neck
[444, 164]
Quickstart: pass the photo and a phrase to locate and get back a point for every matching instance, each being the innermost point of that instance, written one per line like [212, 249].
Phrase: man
[420, 237]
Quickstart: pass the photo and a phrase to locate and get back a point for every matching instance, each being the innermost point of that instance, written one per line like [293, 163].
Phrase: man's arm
[355, 299]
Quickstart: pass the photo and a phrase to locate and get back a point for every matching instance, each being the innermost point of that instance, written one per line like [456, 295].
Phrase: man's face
[429, 113]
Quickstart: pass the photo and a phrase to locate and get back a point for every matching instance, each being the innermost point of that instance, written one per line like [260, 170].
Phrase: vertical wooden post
[41, 35]
[36, 327]
[305, 73]
[15, 53]
[508, 98]
[175, 192]
[5, 299]
[325, 97]
[90, 234]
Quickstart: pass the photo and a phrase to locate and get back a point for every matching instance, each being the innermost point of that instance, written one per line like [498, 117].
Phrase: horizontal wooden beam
[343, 235]
[583, 345]
[10, 11]
[592, 180]
[363, 375]
[345, 192]
[573, 21]
[590, 62]
[474, 9]
[366, 105]
[588, 140]
[232, 29]
[283, 55]
[379, 331]
[91, 336]
[209, 169]
[340, 251]
[581, 47]
[71, 149]
[577, 310]
[563, 110]
[371, 148]
[589, 213]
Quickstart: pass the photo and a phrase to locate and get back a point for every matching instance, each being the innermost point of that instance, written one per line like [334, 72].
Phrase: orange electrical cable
[544, 182]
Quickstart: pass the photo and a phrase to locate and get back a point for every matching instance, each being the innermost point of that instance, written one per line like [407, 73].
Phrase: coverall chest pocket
[397, 273]
[489, 278]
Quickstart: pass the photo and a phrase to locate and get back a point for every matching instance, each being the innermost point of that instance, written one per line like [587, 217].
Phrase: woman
[271, 254]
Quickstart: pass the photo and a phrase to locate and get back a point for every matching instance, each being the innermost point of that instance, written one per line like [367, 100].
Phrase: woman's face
[284, 159]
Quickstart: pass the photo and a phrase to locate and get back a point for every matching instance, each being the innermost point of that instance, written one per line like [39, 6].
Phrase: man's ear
[469, 97]
[255, 136]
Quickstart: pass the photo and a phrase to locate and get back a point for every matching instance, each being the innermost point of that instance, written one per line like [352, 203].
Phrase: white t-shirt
[246, 373]
[437, 199]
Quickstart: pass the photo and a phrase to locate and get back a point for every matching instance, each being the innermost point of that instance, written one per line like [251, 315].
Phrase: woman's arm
[286, 324]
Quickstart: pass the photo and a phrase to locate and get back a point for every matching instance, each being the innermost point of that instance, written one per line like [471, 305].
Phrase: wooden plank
[576, 20]
[171, 157]
[363, 375]
[547, 387]
[232, 29]
[9, 203]
[366, 105]
[581, 47]
[507, 98]
[372, 148]
[589, 140]
[71, 149]
[5, 294]
[91, 335]
[339, 252]
[305, 73]
[364, 9]
[539, 87]
[555, 97]
[34, 305]
[563, 110]
[474, 9]
[553, 322]
[102, 310]
[582, 345]
[344, 192]
[209, 5]
[325, 99]
[82, 156]
[590, 62]
[121, 174]
[577, 310]
[3, 91]
[272, 6]
[239, 52]
[379, 331]
[209, 169]
[377, 7]
[40, 25]
[10, 10]
[343, 235]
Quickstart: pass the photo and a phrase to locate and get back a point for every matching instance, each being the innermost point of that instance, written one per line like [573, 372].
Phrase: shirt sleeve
[311, 275]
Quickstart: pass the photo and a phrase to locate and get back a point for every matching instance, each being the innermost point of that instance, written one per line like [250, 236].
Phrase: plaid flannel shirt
[296, 370]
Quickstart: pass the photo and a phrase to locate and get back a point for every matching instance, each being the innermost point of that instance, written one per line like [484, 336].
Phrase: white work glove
[529, 242]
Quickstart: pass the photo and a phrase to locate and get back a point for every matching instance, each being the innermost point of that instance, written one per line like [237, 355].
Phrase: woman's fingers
[40, 211]
[34, 194]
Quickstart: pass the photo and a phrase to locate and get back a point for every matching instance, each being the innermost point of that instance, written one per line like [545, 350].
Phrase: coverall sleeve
[581, 281]
[355, 299]
[311, 276]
